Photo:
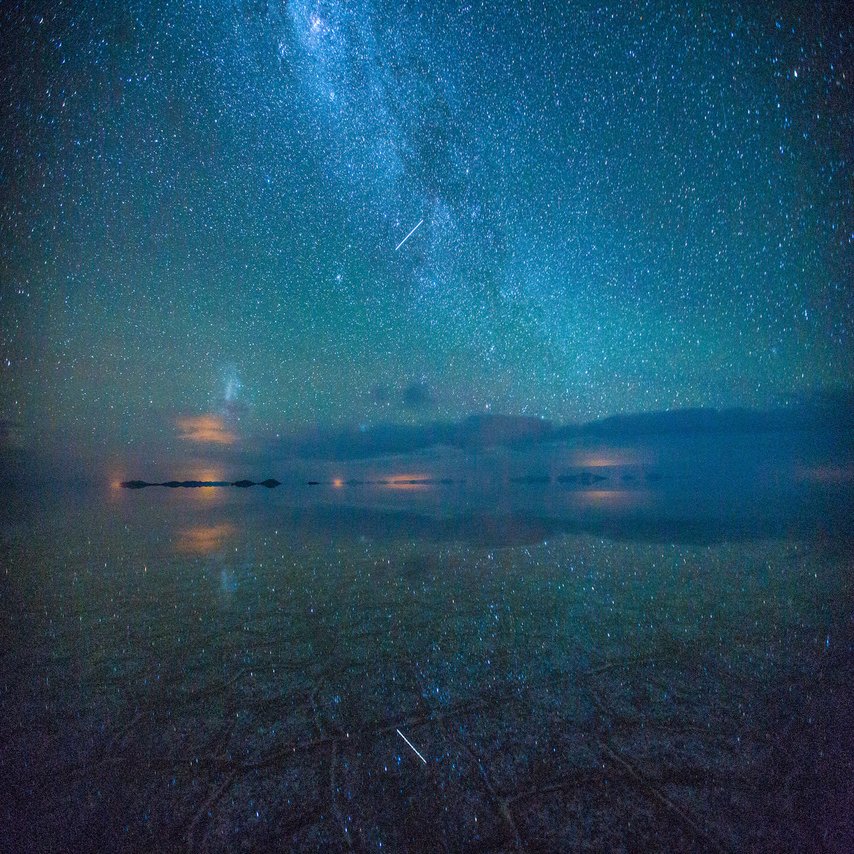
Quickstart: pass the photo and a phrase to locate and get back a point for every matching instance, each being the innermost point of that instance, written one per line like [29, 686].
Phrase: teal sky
[624, 207]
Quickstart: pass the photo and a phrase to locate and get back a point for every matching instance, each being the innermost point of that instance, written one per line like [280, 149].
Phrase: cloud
[381, 394]
[417, 396]
[205, 429]
[476, 431]
[483, 431]
[816, 412]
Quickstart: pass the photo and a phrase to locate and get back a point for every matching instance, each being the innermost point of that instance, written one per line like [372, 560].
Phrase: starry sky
[620, 207]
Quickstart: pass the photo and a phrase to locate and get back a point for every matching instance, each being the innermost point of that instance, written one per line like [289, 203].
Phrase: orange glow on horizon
[401, 481]
[206, 493]
[116, 479]
[605, 457]
[206, 429]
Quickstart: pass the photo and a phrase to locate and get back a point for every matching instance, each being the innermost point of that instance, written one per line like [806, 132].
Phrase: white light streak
[399, 732]
[408, 236]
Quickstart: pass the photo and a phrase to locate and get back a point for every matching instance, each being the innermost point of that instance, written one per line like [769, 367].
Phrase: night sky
[623, 207]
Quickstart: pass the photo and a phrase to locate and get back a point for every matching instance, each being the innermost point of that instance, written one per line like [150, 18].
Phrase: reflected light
[612, 498]
[204, 539]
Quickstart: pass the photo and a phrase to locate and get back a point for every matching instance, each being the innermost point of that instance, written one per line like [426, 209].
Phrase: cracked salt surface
[251, 691]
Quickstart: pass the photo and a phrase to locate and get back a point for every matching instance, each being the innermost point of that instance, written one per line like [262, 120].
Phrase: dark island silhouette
[582, 479]
[270, 483]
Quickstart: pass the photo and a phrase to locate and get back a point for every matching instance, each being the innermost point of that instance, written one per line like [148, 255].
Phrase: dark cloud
[414, 396]
[476, 431]
[490, 431]
[381, 394]
[418, 396]
[816, 411]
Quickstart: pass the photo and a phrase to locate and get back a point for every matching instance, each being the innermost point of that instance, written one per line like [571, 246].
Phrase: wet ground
[238, 676]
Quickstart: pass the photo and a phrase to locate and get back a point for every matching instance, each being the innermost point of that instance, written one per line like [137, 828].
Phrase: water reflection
[501, 515]
[616, 499]
[204, 539]
[826, 474]
[644, 663]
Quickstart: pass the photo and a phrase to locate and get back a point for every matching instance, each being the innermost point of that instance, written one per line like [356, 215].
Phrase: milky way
[623, 207]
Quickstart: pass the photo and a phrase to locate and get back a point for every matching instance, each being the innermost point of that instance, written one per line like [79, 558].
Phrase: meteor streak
[408, 236]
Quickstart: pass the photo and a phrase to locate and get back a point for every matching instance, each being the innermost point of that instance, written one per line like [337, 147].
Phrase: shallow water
[620, 668]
